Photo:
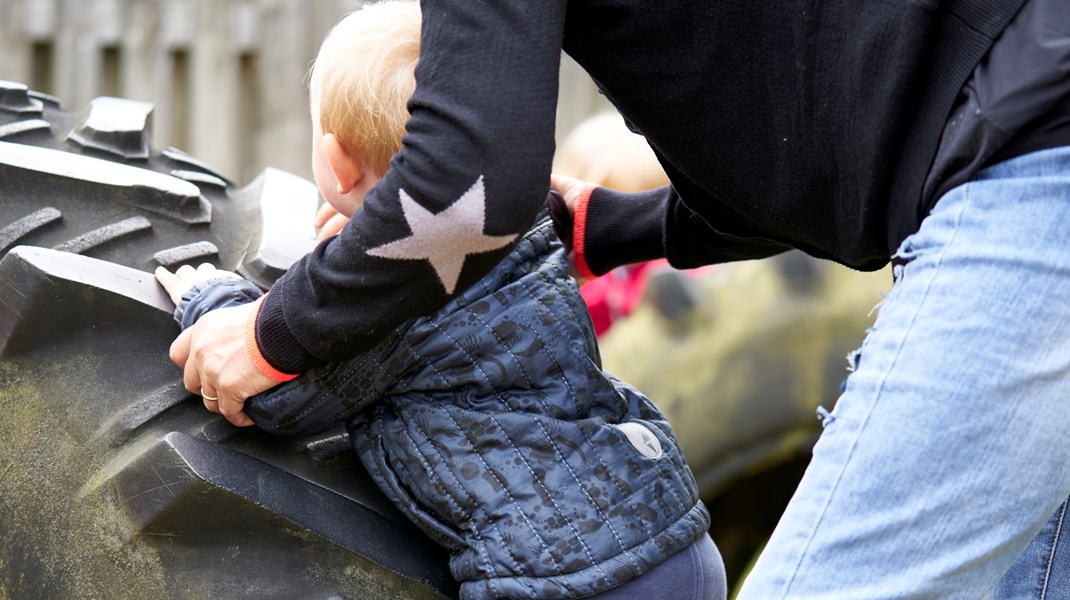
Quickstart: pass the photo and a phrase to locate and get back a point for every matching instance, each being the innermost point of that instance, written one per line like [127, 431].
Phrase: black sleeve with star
[472, 174]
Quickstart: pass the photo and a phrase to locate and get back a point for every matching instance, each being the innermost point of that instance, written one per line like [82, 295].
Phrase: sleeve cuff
[213, 294]
[617, 228]
[253, 349]
[579, 235]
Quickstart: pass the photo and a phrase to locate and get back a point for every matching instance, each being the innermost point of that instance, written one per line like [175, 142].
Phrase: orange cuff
[253, 349]
[579, 235]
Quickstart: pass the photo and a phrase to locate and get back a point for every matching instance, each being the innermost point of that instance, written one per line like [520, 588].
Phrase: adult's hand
[217, 365]
[571, 190]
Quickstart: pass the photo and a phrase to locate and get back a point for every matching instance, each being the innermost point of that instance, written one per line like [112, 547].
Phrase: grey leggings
[694, 573]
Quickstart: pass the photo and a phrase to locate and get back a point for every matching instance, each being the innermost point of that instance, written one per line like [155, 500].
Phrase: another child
[490, 423]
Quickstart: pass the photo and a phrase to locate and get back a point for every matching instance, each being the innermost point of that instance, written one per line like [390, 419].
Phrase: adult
[934, 132]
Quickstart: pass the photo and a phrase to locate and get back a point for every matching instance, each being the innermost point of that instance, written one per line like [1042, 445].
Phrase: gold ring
[209, 398]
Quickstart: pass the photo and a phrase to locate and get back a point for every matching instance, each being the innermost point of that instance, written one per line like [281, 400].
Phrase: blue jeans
[943, 470]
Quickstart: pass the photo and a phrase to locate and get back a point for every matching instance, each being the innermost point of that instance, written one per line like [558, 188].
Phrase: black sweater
[781, 124]
[1016, 100]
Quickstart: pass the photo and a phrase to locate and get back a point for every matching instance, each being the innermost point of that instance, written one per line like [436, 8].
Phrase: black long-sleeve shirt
[1017, 100]
[804, 124]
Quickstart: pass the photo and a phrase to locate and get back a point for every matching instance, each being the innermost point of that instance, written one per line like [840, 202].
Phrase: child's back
[491, 423]
[492, 426]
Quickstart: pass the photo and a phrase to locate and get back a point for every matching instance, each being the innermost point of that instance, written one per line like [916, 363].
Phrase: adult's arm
[611, 229]
[470, 177]
[477, 156]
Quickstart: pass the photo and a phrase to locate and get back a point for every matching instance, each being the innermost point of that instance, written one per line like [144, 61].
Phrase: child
[490, 423]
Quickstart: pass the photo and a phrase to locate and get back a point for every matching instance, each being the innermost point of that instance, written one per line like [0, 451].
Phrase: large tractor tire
[114, 481]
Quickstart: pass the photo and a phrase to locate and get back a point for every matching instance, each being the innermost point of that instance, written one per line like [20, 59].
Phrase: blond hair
[604, 151]
[363, 78]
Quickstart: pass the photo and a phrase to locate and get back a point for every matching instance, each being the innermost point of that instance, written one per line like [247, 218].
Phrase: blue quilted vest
[492, 425]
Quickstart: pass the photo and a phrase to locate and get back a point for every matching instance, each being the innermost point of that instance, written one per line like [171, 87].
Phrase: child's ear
[345, 168]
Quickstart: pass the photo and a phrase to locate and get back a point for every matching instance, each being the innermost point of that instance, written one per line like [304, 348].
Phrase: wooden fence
[227, 77]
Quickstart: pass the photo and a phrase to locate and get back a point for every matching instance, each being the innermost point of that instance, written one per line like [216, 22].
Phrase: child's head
[602, 150]
[359, 89]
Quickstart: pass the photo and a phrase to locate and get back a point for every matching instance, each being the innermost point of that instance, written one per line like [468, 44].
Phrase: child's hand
[183, 279]
[330, 222]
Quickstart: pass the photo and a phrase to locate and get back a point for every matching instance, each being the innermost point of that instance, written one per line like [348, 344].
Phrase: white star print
[447, 238]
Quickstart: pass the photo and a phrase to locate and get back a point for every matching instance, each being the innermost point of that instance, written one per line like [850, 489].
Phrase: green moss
[54, 542]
